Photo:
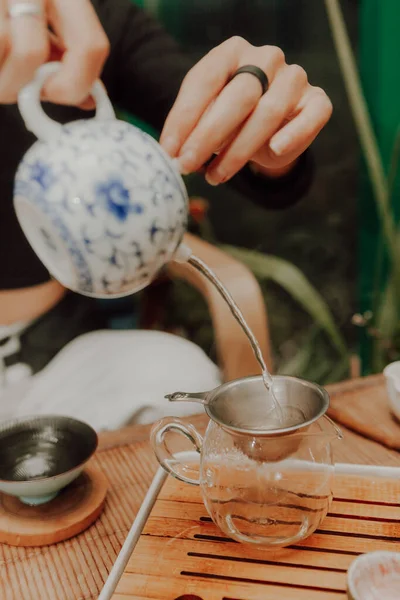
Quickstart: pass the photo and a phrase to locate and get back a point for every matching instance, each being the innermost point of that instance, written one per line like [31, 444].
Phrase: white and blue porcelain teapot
[101, 203]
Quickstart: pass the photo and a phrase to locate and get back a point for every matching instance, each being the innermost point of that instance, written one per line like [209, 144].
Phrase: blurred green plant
[382, 323]
[292, 280]
[268, 268]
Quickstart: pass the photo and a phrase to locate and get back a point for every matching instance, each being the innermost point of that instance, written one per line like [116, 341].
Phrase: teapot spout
[199, 397]
[183, 254]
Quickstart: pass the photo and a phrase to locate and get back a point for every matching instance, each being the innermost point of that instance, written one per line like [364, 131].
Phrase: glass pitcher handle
[237, 535]
[169, 461]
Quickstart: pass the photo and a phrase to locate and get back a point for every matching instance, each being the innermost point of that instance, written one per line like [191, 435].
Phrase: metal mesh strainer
[245, 405]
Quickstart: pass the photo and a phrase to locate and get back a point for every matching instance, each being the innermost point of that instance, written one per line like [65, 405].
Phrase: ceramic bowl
[375, 576]
[39, 456]
[100, 202]
[392, 377]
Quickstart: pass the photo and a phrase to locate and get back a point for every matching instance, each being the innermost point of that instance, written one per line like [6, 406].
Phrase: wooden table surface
[78, 568]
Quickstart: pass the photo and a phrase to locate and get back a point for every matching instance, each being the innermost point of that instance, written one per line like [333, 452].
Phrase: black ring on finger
[257, 72]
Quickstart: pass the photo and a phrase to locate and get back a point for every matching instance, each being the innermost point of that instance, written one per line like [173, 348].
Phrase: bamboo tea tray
[178, 553]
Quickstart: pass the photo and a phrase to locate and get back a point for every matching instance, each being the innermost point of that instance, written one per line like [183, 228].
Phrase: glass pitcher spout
[337, 433]
[333, 433]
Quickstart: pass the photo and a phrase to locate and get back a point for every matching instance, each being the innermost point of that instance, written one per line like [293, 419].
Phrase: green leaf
[298, 364]
[386, 323]
[386, 319]
[291, 279]
[338, 373]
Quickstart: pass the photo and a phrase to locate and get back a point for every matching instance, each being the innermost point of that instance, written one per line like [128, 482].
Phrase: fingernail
[177, 165]
[215, 177]
[279, 145]
[187, 162]
[170, 145]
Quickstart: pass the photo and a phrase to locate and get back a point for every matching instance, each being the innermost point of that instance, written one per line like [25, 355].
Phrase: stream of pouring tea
[198, 264]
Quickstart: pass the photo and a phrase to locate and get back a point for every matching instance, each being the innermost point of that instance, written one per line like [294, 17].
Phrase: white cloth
[111, 378]
[10, 344]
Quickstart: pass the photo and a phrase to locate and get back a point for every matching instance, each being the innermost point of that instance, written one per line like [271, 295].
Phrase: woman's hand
[25, 44]
[213, 115]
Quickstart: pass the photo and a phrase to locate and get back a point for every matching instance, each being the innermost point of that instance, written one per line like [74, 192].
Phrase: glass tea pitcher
[262, 482]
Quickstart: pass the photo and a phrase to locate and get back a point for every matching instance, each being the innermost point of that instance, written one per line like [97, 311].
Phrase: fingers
[216, 115]
[205, 82]
[218, 123]
[24, 46]
[271, 111]
[86, 49]
[298, 134]
[56, 48]
[200, 87]
[3, 31]
[305, 126]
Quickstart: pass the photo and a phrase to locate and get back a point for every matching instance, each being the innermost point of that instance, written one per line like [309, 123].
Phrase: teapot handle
[33, 114]
[166, 458]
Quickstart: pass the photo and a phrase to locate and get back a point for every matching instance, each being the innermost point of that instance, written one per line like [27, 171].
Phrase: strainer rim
[267, 433]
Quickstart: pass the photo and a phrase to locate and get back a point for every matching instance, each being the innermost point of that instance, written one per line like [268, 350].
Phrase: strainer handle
[169, 461]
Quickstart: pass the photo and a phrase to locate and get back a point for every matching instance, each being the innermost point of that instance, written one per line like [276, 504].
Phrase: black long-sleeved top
[142, 75]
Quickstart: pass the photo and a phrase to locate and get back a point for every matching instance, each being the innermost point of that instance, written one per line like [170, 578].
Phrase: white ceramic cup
[392, 377]
[101, 203]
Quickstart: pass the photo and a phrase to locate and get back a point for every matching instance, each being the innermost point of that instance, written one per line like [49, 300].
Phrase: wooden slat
[179, 510]
[367, 489]
[361, 527]
[347, 544]
[368, 511]
[129, 597]
[170, 588]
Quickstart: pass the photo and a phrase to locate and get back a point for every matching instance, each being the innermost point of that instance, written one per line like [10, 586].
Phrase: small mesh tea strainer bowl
[245, 408]
[41, 455]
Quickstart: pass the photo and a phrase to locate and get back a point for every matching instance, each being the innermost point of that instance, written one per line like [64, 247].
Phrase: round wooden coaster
[75, 508]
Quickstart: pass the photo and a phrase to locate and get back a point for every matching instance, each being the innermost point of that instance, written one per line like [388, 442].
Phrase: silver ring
[25, 9]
